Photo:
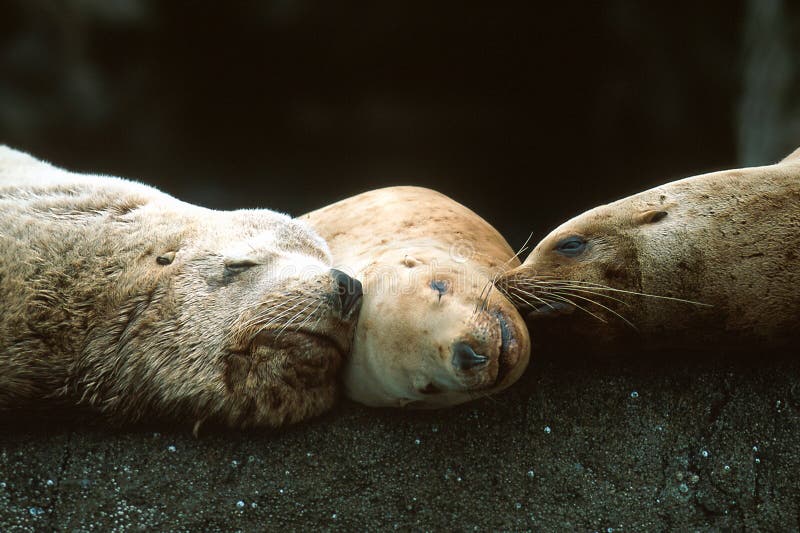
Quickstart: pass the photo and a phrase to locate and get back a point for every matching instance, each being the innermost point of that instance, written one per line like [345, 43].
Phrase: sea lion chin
[123, 299]
[432, 331]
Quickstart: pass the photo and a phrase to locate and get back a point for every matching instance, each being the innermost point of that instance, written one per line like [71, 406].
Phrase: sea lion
[727, 241]
[432, 332]
[122, 298]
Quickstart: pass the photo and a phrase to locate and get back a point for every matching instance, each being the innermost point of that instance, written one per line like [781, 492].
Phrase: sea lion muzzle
[349, 291]
[465, 358]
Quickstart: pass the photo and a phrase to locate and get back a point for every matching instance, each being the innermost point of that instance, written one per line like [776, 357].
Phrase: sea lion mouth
[504, 359]
[549, 310]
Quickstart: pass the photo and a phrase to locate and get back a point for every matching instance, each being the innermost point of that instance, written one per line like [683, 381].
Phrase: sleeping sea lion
[432, 331]
[121, 298]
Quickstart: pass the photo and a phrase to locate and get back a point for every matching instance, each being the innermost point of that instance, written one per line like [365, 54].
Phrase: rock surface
[648, 443]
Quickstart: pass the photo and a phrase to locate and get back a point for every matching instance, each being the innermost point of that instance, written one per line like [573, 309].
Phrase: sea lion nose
[349, 291]
[464, 357]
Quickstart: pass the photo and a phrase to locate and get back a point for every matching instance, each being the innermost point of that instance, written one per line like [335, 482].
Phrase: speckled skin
[397, 241]
[123, 299]
[730, 239]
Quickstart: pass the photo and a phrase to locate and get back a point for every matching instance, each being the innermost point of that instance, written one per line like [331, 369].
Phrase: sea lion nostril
[348, 289]
[464, 357]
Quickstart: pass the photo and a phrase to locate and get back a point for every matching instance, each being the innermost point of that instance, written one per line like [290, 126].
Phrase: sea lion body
[121, 298]
[727, 239]
[432, 332]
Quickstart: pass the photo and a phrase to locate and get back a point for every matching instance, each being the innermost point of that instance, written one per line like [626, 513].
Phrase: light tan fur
[397, 241]
[728, 239]
[121, 298]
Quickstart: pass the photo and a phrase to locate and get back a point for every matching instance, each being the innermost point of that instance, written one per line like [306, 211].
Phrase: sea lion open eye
[238, 266]
[571, 246]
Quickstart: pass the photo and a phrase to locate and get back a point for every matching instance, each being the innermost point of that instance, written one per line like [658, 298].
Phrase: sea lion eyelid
[239, 265]
[571, 246]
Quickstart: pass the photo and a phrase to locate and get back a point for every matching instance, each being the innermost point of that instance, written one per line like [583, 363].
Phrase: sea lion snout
[465, 358]
[349, 292]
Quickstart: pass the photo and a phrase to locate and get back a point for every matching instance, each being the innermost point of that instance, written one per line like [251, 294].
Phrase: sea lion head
[243, 319]
[590, 266]
[432, 334]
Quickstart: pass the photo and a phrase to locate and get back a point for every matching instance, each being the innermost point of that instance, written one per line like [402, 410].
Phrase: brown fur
[119, 297]
[397, 241]
[729, 239]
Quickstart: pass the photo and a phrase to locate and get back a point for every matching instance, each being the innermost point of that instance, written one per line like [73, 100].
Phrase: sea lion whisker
[567, 300]
[601, 305]
[309, 316]
[291, 320]
[485, 303]
[538, 298]
[268, 315]
[528, 303]
[502, 268]
[271, 320]
[587, 291]
[480, 296]
[562, 283]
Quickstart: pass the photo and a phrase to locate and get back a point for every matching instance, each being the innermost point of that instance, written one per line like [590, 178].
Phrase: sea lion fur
[432, 331]
[121, 298]
[728, 241]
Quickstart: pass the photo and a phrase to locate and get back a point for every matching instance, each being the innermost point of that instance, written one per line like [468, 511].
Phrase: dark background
[527, 112]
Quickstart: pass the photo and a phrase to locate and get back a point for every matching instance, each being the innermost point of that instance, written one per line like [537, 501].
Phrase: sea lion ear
[649, 216]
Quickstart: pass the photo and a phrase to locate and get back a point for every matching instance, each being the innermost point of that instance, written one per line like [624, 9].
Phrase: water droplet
[634, 395]
[458, 479]
[281, 491]
[50, 483]
[254, 505]
[758, 461]
[36, 511]
[333, 516]
[518, 506]
[435, 429]
[3, 484]
[417, 442]
[695, 478]
[683, 488]
[309, 454]
[234, 463]
[755, 449]
[531, 474]
[726, 468]
[240, 504]
[171, 448]
[610, 530]
[547, 429]
[704, 453]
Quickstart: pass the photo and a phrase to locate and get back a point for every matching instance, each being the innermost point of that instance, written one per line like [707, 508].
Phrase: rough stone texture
[653, 442]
